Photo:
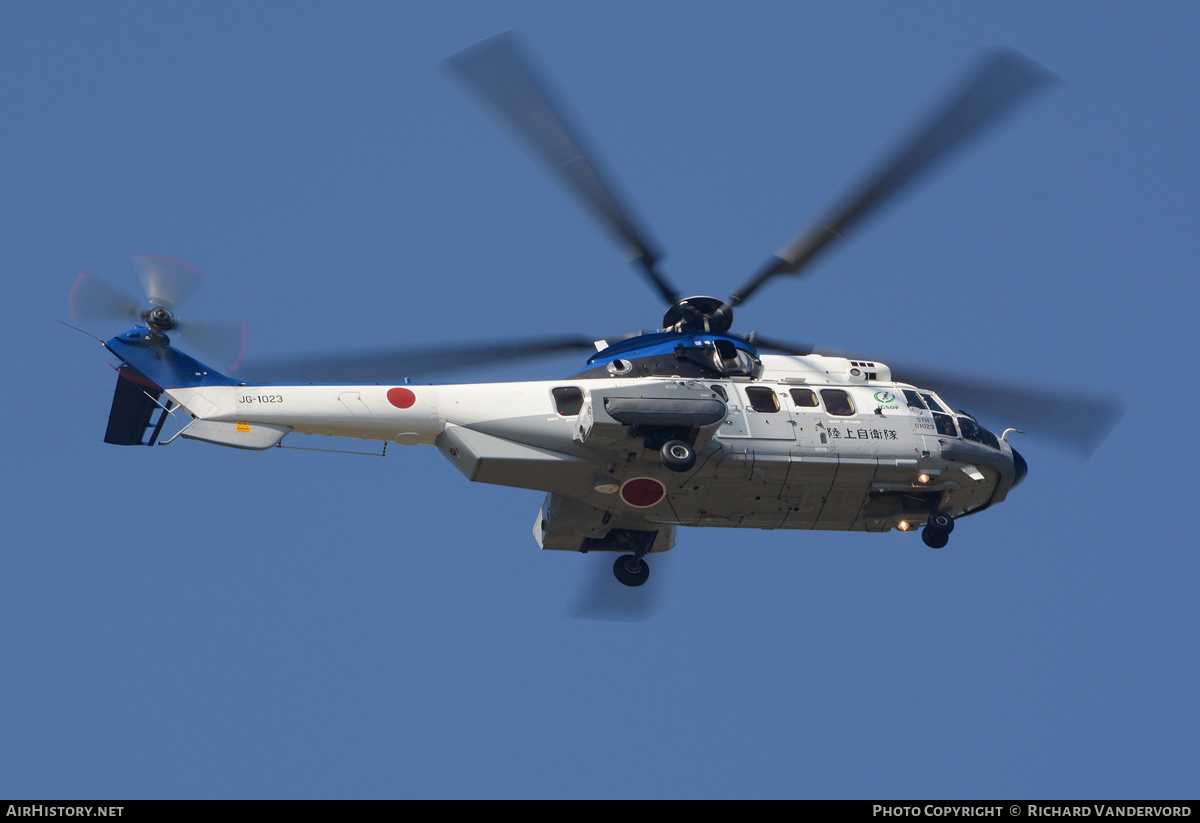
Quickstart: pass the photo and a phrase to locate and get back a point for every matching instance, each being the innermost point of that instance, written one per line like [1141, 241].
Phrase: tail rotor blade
[92, 299]
[220, 343]
[167, 282]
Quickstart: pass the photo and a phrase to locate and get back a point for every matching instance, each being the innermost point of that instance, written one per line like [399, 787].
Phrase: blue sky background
[193, 621]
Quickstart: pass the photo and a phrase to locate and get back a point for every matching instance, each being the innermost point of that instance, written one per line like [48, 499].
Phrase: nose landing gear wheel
[936, 533]
[631, 570]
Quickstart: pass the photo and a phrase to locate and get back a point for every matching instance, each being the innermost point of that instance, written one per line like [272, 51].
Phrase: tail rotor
[167, 284]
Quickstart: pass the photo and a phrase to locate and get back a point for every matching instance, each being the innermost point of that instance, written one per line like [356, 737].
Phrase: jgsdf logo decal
[884, 396]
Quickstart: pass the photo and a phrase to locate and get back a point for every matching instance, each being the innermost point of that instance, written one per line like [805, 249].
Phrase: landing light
[903, 526]
[923, 478]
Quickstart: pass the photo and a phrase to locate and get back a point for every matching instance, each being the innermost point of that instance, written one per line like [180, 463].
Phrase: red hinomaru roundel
[641, 492]
[401, 398]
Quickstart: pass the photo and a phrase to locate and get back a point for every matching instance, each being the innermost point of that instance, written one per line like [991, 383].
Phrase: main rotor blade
[502, 77]
[394, 365]
[1074, 419]
[598, 596]
[1005, 79]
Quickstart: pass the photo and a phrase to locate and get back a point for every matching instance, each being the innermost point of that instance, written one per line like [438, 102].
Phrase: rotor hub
[699, 314]
[159, 319]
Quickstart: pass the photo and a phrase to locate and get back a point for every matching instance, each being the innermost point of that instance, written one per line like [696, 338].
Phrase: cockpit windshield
[971, 430]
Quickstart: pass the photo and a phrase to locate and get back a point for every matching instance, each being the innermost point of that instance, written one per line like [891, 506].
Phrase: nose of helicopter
[1021, 466]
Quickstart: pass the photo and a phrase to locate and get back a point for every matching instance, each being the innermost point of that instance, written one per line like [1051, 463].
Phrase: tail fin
[149, 365]
[134, 402]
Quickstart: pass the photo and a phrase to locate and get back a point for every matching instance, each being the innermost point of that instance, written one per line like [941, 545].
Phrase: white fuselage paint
[799, 466]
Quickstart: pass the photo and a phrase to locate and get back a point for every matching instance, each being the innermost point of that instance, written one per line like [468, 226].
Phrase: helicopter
[686, 425]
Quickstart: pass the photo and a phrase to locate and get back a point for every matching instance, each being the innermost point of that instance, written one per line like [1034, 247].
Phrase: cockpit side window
[568, 400]
[762, 399]
[943, 421]
[837, 402]
[945, 424]
[933, 403]
[805, 398]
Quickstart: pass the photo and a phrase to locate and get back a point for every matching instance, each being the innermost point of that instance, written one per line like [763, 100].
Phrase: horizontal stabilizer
[236, 435]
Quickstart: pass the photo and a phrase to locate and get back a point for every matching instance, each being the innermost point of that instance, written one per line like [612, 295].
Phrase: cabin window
[568, 400]
[914, 402]
[805, 398]
[719, 391]
[762, 399]
[837, 402]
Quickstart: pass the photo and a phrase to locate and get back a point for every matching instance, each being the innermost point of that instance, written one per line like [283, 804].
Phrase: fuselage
[780, 442]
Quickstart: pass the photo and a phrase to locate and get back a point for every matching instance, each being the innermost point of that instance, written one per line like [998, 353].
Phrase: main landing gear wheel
[631, 570]
[677, 455]
[940, 522]
[936, 533]
[934, 539]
